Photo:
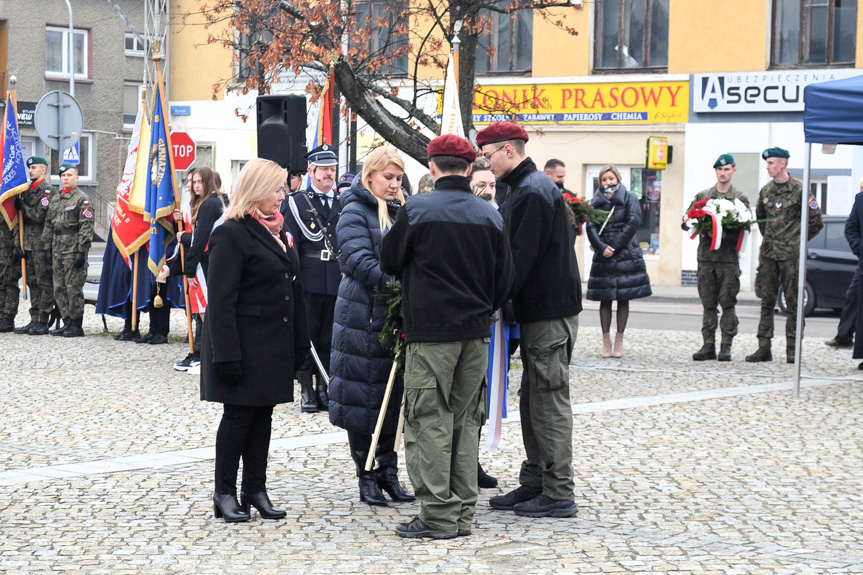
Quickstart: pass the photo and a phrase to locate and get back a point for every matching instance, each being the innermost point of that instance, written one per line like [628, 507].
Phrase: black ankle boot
[308, 401]
[388, 480]
[369, 491]
[226, 505]
[61, 329]
[484, 480]
[262, 503]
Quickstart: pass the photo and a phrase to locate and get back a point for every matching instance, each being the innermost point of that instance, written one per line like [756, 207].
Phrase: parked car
[829, 269]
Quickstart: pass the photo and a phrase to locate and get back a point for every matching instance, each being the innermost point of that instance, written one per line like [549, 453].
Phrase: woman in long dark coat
[254, 334]
[360, 366]
[618, 271]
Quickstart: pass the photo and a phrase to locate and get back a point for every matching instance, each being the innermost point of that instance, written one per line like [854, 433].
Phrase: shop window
[631, 35]
[57, 53]
[647, 187]
[387, 46]
[814, 32]
[510, 38]
[86, 161]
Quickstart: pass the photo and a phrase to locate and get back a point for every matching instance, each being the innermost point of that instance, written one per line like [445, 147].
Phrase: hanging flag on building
[15, 175]
[161, 190]
[129, 229]
[450, 120]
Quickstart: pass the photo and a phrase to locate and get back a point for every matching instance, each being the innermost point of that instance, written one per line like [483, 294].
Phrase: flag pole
[13, 96]
[137, 256]
[157, 58]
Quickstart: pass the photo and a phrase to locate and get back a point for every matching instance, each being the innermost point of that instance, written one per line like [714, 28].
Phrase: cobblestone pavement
[681, 467]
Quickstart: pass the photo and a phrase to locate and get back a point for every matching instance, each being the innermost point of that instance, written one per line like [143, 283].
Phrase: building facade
[108, 66]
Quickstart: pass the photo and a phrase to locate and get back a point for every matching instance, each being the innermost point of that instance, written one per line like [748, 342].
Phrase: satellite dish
[58, 120]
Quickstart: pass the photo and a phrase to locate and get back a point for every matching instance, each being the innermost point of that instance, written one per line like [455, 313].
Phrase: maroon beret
[500, 132]
[451, 145]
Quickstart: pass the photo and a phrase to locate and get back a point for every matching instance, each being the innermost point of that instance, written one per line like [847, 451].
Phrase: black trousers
[321, 311]
[848, 317]
[243, 432]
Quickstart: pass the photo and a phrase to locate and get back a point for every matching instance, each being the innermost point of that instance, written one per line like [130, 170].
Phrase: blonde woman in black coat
[618, 271]
[254, 335]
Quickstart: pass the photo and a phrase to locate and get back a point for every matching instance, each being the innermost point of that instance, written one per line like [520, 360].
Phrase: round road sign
[58, 120]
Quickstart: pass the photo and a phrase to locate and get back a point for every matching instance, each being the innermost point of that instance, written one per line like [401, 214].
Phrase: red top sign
[184, 150]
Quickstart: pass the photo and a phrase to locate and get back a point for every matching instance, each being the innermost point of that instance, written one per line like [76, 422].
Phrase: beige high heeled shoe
[618, 345]
[606, 345]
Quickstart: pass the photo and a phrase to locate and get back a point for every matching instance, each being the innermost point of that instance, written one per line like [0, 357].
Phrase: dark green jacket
[778, 213]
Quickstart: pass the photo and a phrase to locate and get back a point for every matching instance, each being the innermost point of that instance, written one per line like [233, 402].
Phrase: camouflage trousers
[718, 285]
[773, 274]
[40, 285]
[10, 273]
[69, 286]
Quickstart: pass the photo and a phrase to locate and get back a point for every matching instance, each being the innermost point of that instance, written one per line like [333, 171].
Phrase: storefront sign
[588, 103]
[657, 153]
[773, 91]
[25, 111]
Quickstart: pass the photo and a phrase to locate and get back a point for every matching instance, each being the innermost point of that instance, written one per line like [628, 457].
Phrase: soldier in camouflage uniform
[67, 235]
[10, 273]
[34, 208]
[718, 270]
[778, 212]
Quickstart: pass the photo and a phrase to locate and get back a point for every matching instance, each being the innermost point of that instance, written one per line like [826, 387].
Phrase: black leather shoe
[543, 506]
[24, 329]
[417, 529]
[518, 495]
[144, 339]
[225, 505]
[38, 329]
[370, 492]
[262, 503]
[389, 482]
[484, 480]
[322, 396]
[158, 339]
[127, 335]
[308, 400]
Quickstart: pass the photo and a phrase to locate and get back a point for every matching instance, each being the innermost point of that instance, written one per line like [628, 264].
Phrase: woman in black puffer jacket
[359, 366]
[618, 271]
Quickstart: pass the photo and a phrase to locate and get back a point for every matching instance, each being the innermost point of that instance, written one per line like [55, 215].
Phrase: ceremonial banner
[450, 122]
[138, 189]
[129, 229]
[15, 175]
[161, 191]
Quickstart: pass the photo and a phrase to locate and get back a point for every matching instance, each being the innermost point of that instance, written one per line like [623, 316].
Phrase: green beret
[64, 166]
[724, 160]
[775, 153]
[36, 160]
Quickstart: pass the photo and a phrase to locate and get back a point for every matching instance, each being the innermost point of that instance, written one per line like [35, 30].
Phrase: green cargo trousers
[444, 407]
[546, 410]
[69, 286]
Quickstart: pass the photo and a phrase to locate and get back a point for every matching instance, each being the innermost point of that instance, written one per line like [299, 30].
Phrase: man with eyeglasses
[546, 298]
[311, 215]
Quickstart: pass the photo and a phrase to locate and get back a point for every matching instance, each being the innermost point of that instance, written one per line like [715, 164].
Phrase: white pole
[801, 276]
[71, 52]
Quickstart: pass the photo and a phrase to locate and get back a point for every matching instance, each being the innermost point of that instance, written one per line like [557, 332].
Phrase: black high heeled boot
[370, 492]
[225, 505]
[308, 401]
[262, 503]
[388, 475]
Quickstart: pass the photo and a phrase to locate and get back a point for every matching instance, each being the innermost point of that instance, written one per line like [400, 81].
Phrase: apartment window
[131, 103]
[510, 38]
[57, 53]
[814, 32]
[631, 34]
[250, 47]
[134, 47]
[385, 45]
[86, 160]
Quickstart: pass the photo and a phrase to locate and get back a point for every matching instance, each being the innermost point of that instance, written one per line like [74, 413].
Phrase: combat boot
[24, 329]
[707, 351]
[761, 354]
[6, 325]
[38, 328]
[789, 355]
[724, 352]
[308, 401]
[75, 330]
[61, 328]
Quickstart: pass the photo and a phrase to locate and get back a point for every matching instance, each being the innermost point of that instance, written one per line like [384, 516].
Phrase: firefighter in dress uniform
[311, 216]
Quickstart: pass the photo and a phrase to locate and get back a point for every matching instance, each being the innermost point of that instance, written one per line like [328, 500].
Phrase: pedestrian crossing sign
[72, 155]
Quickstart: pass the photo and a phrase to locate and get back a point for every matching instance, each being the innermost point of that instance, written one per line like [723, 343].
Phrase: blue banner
[16, 178]
[161, 190]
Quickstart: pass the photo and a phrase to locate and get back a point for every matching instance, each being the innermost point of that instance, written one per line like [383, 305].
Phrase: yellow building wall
[556, 52]
[195, 65]
[708, 37]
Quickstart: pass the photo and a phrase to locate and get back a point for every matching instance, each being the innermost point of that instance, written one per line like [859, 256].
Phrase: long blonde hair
[376, 161]
[258, 179]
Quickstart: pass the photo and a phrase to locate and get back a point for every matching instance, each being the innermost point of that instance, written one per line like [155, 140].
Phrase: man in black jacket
[546, 297]
[447, 304]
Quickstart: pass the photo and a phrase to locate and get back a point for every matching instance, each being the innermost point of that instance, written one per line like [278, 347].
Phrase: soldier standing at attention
[719, 270]
[67, 236]
[34, 208]
[311, 216]
[10, 273]
[778, 213]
